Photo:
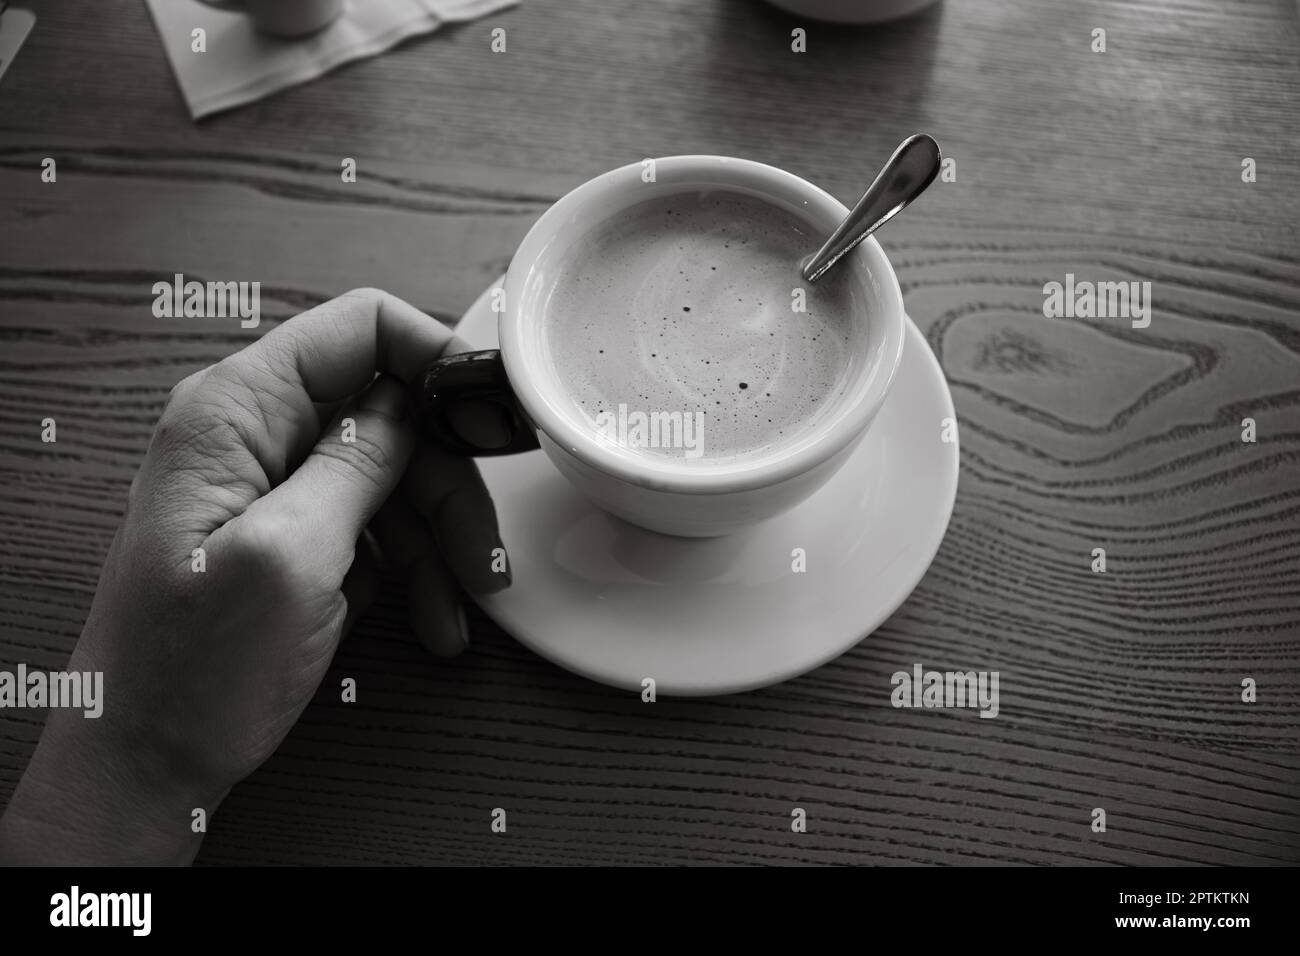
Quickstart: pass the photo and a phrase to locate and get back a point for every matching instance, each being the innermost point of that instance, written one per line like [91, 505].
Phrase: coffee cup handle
[466, 377]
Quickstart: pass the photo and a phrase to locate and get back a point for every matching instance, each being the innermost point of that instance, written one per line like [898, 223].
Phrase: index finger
[335, 349]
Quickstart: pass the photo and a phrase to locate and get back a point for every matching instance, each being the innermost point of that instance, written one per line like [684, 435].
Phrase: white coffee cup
[285, 18]
[853, 11]
[698, 498]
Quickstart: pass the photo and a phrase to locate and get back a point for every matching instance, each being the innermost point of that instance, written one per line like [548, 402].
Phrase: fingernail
[507, 573]
[500, 576]
[464, 624]
[386, 397]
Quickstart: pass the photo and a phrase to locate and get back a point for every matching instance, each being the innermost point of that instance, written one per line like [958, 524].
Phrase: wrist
[93, 795]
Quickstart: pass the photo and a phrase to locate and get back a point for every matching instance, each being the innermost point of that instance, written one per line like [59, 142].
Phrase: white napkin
[242, 65]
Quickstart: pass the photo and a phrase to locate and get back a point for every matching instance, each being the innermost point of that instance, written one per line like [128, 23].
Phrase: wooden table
[1119, 690]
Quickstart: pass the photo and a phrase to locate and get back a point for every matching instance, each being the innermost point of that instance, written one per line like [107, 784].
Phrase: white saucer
[617, 604]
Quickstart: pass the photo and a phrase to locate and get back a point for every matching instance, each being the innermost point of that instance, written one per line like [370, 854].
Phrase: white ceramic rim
[565, 220]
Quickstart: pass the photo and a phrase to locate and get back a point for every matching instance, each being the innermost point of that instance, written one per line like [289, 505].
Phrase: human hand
[242, 560]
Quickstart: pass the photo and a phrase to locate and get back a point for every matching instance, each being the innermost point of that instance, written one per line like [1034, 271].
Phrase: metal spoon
[912, 167]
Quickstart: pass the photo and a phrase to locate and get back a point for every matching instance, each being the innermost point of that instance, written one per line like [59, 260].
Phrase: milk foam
[686, 304]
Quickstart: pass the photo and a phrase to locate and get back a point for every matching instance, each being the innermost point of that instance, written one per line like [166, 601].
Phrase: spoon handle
[912, 167]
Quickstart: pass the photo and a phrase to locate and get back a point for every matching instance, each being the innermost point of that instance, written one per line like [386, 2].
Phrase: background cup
[699, 498]
[285, 18]
[852, 11]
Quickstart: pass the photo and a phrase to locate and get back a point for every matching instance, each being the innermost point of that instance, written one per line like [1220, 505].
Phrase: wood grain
[1118, 690]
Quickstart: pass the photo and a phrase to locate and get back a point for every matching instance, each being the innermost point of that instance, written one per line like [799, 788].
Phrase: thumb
[354, 467]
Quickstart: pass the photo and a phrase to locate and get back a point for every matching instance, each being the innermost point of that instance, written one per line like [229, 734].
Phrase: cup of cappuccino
[852, 11]
[659, 343]
[285, 18]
